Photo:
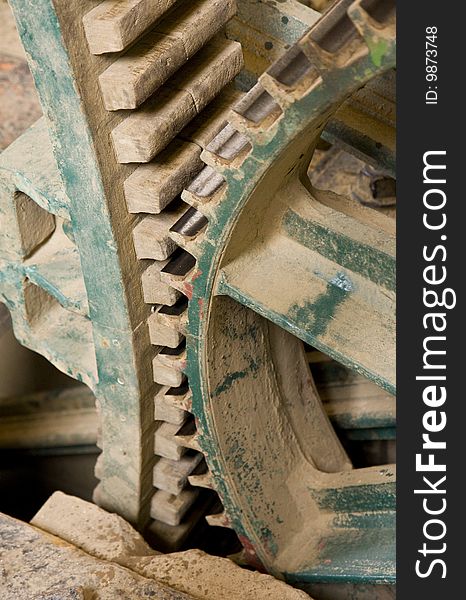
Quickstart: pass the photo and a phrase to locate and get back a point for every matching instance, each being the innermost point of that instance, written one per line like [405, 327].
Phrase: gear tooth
[113, 25]
[187, 231]
[188, 437]
[178, 271]
[168, 538]
[203, 480]
[373, 18]
[227, 150]
[161, 334]
[334, 41]
[171, 509]
[180, 396]
[167, 324]
[150, 128]
[150, 235]
[208, 187]
[153, 186]
[166, 410]
[172, 475]
[257, 110]
[148, 64]
[219, 520]
[241, 558]
[168, 365]
[210, 121]
[164, 441]
[98, 469]
[155, 290]
[291, 77]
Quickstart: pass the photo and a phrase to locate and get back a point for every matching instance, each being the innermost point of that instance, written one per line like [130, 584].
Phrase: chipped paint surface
[251, 431]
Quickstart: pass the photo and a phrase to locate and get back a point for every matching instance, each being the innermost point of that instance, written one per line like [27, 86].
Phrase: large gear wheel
[260, 242]
[219, 286]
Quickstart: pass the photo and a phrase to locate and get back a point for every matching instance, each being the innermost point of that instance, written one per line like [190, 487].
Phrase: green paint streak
[377, 266]
[235, 376]
[316, 316]
[378, 51]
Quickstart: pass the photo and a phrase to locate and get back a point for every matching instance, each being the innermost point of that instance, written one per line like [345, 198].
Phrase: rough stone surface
[193, 572]
[35, 565]
[97, 532]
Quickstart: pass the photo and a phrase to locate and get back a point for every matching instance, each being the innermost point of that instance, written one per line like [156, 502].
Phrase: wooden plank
[113, 24]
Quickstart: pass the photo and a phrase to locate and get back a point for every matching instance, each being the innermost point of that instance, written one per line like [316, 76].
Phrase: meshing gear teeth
[329, 63]
[174, 73]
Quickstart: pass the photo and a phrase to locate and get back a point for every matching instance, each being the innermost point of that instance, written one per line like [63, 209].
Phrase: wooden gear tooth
[160, 334]
[165, 444]
[113, 24]
[203, 480]
[151, 238]
[168, 365]
[172, 475]
[167, 324]
[218, 520]
[171, 509]
[155, 290]
[188, 230]
[133, 77]
[149, 129]
[227, 150]
[166, 410]
[152, 186]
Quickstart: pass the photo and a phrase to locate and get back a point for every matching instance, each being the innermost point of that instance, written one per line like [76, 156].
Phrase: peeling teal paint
[377, 266]
[317, 315]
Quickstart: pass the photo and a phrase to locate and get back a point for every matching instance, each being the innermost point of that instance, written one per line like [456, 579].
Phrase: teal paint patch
[229, 381]
[377, 266]
[358, 498]
[376, 433]
[317, 315]
[365, 558]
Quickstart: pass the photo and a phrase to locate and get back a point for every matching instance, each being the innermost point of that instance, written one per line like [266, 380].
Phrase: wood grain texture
[133, 77]
[113, 24]
[148, 130]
